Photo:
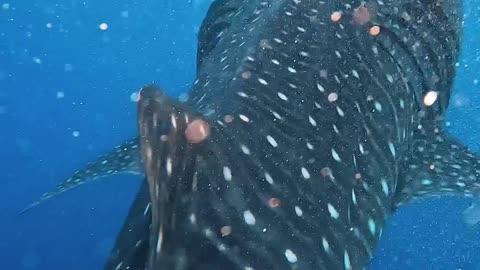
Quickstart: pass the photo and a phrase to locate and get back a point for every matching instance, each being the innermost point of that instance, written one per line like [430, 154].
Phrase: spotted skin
[317, 130]
[310, 111]
[124, 158]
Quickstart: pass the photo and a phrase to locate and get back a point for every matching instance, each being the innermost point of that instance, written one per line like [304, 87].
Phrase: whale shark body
[323, 118]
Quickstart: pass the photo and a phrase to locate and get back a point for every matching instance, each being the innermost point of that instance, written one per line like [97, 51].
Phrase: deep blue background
[97, 71]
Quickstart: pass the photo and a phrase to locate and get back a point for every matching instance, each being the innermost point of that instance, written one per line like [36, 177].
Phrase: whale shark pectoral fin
[438, 165]
[125, 158]
[131, 246]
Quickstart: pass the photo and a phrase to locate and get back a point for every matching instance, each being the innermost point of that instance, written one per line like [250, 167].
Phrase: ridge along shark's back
[323, 117]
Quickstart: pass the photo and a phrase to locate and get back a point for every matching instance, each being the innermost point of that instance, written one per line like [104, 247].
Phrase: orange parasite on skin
[336, 16]
[274, 202]
[374, 30]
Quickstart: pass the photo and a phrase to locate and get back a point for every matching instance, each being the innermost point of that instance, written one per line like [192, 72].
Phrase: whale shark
[309, 123]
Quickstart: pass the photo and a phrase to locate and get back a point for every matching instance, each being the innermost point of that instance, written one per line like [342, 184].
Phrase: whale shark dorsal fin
[438, 165]
[217, 20]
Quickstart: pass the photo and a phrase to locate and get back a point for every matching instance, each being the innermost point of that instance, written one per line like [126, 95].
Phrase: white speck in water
[124, 14]
[5, 6]
[103, 26]
[76, 133]
[37, 60]
[183, 97]
[49, 25]
[68, 67]
[60, 94]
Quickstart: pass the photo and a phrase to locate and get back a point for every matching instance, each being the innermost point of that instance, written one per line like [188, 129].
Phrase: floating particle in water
[246, 74]
[135, 97]
[265, 44]
[49, 25]
[102, 247]
[435, 78]
[60, 94]
[5, 6]
[31, 260]
[37, 60]
[460, 100]
[68, 67]
[228, 118]
[183, 97]
[103, 26]
[124, 14]
[226, 230]
[76, 133]
[323, 73]
[326, 172]
[475, 81]
[361, 15]
[24, 145]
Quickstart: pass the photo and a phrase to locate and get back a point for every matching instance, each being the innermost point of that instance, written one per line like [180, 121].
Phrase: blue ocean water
[65, 87]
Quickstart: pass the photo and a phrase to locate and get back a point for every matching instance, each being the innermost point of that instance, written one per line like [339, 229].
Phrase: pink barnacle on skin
[197, 131]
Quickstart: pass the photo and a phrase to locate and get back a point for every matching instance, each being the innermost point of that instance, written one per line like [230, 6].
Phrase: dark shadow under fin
[169, 158]
[125, 158]
[131, 247]
[438, 165]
